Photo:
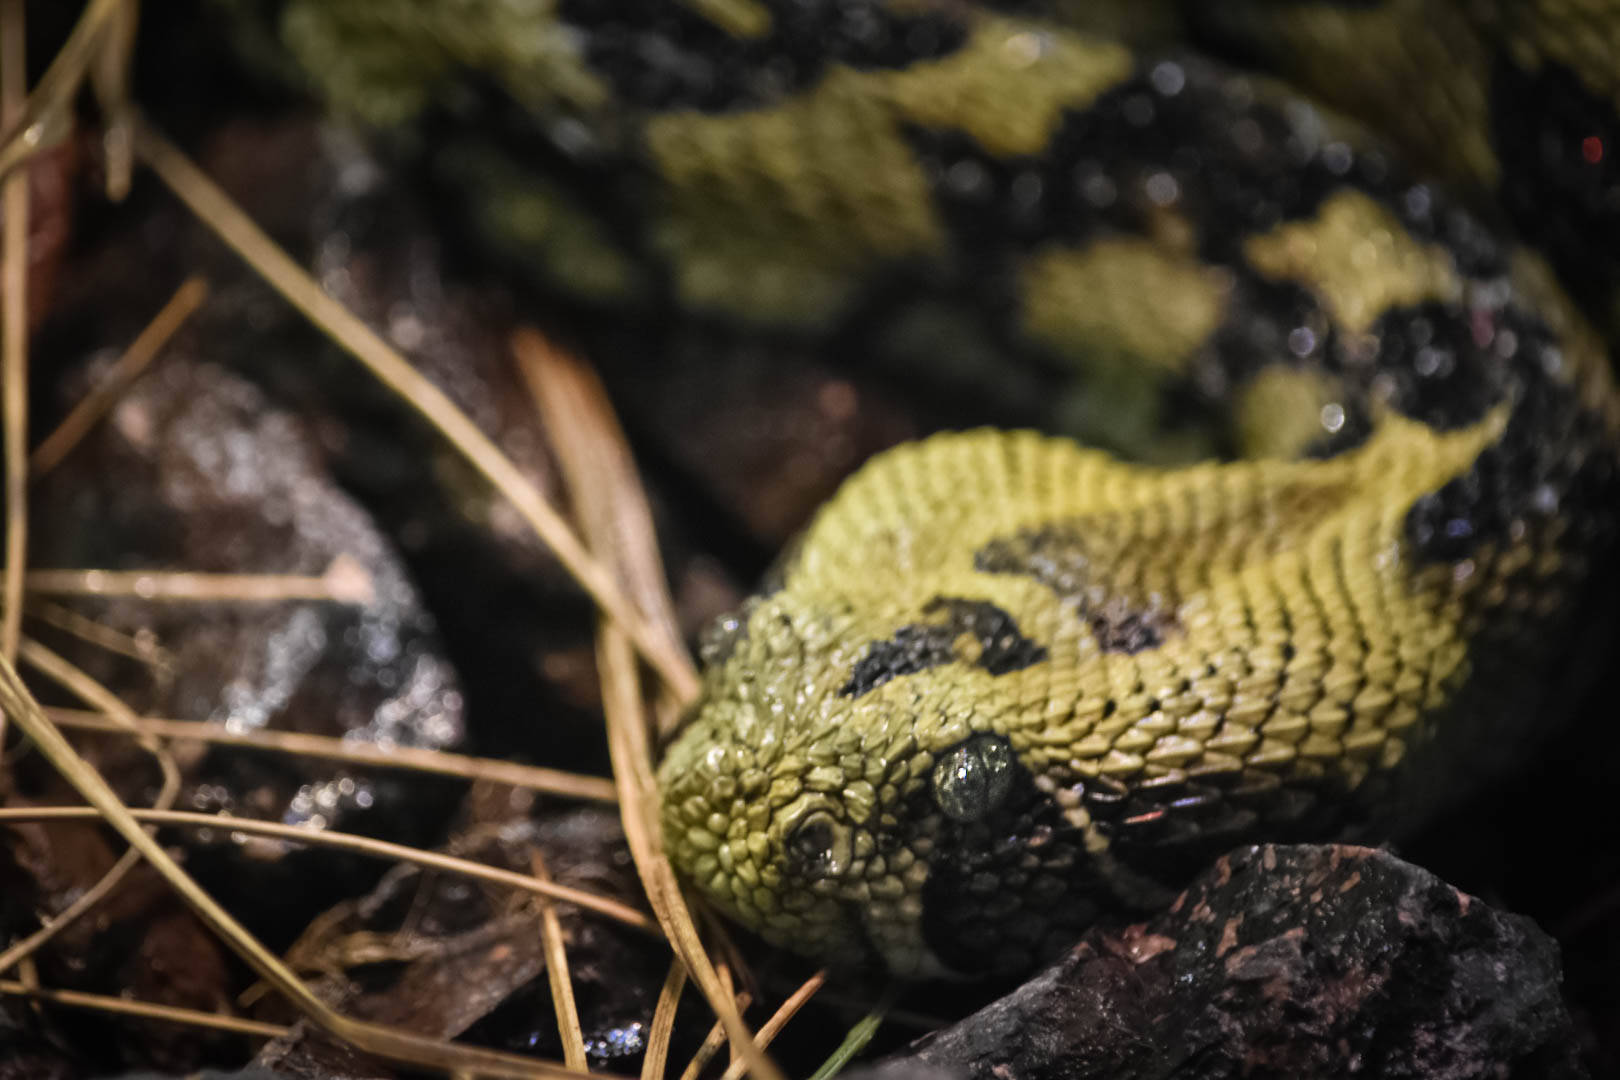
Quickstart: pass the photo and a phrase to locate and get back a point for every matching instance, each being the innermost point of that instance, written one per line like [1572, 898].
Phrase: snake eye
[974, 777]
[819, 846]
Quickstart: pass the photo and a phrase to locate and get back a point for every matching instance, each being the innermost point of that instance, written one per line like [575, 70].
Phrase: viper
[1004, 684]
[1317, 296]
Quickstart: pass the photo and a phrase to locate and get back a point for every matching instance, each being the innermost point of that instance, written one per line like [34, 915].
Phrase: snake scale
[1343, 547]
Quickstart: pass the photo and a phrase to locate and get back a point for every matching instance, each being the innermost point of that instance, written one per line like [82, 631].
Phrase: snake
[1317, 297]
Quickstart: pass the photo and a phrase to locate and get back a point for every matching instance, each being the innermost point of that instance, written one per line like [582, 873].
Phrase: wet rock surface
[1321, 961]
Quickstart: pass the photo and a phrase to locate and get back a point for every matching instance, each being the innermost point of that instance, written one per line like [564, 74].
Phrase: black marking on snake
[1016, 886]
[1561, 190]
[1447, 369]
[1237, 164]
[1002, 646]
[1009, 889]
[1059, 558]
[659, 55]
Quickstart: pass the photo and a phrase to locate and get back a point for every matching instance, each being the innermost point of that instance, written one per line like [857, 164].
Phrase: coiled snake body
[1004, 683]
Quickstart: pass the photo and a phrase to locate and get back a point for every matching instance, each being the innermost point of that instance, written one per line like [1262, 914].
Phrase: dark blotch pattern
[1059, 557]
[662, 55]
[1002, 646]
[1011, 889]
[1188, 139]
[1560, 189]
[1553, 462]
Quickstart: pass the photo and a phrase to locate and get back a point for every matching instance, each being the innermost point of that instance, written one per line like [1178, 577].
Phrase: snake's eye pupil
[974, 777]
[818, 846]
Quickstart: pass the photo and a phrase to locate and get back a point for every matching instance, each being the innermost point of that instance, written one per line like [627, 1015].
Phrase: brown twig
[611, 506]
[656, 1060]
[91, 692]
[363, 845]
[150, 1010]
[534, 777]
[226, 219]
[14, 328]
[124, 371]
[784, 1012]
[557, 974]
[344, 582]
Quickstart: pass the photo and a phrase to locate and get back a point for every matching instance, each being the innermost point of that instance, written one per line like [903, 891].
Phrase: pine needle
[364, 845]
[118, 378]
[230, 224]
[784, 1012]
[656, 1060]
[172, 1014]
[392, 1043]
[14, 333]
[142, 649]
[93, 693]
[609, 501]
[344, 582]
[442, 762]
[557, 974]
[856, 1039]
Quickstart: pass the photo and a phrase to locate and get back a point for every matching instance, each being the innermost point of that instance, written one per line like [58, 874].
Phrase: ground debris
[1320, 961]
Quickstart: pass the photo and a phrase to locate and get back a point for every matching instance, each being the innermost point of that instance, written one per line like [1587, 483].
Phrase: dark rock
[1320, 961]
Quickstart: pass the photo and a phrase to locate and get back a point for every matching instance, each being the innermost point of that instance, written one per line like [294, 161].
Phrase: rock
[1320, 961]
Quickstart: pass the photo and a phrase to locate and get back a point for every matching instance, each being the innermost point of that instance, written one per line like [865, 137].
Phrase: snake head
[774, 797]
[861, 803]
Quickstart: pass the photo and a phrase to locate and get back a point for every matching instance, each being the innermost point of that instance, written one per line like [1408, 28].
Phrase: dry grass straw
[378, 1039]
[636, 610]
[118, 378]
[14, 332]
[610, 504]
[557, 975]
[784, 1012]
[442, 762]
[656, 1058]
[230, 224]
[362, 845]
[91, 692]
[344, 582]
[147, 1010]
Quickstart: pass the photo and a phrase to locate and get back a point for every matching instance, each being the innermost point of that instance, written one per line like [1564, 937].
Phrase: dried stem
[124, 371]
[234, 227]
[363, 845]
[14, 331]
[611, 506]
[562, 985]
[534, 777]
[656, 1060]
[169, 1013]
[784, 1012]
[344, 582]
[367, 1037]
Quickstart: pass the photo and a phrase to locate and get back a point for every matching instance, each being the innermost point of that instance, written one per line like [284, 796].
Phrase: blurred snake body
[1004, 683]
[1330, 317]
